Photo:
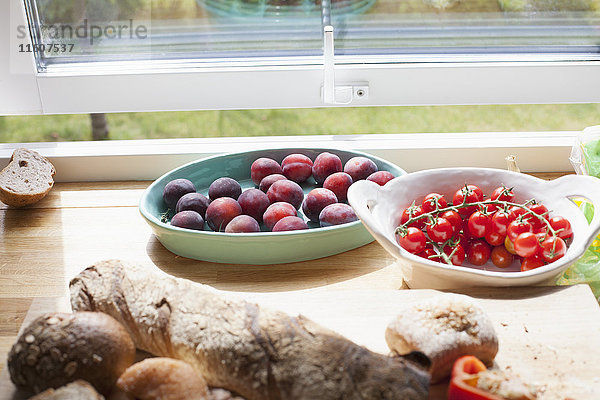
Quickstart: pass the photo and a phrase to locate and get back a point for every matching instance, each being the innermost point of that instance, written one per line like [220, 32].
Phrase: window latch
[330, 92]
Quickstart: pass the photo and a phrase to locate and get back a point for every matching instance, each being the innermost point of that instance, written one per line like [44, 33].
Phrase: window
[145, 55]
[376, 30]
[159, 55]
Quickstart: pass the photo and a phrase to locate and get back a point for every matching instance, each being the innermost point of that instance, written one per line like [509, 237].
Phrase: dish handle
[362, 196]
[584, 186]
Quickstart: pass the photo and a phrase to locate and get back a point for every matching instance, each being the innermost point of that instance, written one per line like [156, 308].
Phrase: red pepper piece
[463, 385]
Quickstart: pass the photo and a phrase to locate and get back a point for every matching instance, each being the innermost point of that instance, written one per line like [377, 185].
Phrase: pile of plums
[277, 197]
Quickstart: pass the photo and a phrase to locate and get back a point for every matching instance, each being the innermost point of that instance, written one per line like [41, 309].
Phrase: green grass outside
[332, 121]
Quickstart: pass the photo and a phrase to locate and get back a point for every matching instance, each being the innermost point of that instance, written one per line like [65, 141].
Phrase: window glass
[251, 30]
[109, 30]
[342, 121]
[429, 27]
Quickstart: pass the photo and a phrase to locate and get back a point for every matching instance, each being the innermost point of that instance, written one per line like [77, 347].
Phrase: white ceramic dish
[379, 209]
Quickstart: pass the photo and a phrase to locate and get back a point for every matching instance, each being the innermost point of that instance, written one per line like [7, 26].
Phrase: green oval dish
[251, 248]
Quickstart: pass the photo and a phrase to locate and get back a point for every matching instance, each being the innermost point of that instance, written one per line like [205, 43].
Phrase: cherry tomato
[562, 226]
[503, 193]
[456, 254]
[462, 240]
[494, 238]
[412, 212]
[515, 211]
[553, 248]
[489, 208]
[468, 194]
[412, 240]
[406, 214]
[517, 227]
[429, 253]
[540, 210]
[526, 244]
[501, 257]
[477, 191]
[484, 231]
[510, 247]
[479, 224]
[440, 230]
[421, 222]
[478, 252]
[434, 201]
[466, 232]
[500, 221]
[530, 263]
[454, 218]
[541, 235]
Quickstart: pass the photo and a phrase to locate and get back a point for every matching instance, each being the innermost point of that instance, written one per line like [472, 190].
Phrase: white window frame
[189, 85]
[117, 160]
[136, 87]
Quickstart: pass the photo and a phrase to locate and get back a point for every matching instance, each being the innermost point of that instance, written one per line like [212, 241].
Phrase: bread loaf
[258, 353]
[222, 394]
[59, 348]
[78, 390]
[26, 179]
[163, 378]
[444, 328]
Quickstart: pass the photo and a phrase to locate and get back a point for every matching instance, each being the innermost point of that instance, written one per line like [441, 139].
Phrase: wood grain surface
[550, 336]
[77, 224]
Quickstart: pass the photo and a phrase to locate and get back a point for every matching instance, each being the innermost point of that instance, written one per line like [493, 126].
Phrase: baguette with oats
[237, 345]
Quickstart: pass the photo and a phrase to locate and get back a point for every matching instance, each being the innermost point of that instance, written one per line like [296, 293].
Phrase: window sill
[148, 159]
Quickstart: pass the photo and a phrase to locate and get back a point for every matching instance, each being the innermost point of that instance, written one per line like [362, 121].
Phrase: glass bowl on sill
[283, 8]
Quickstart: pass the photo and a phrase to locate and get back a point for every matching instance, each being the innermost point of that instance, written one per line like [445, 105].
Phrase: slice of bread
[26, 179]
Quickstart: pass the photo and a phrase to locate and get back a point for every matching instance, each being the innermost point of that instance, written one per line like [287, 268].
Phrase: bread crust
[77, 390]
[27, 179]
[58, 348]
[258, 353]
[163, 378]
[444, 328]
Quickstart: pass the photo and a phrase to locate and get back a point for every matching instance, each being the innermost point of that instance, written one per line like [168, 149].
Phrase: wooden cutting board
[549, 335]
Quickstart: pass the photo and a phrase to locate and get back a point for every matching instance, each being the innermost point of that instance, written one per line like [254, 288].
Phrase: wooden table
[77, 224]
